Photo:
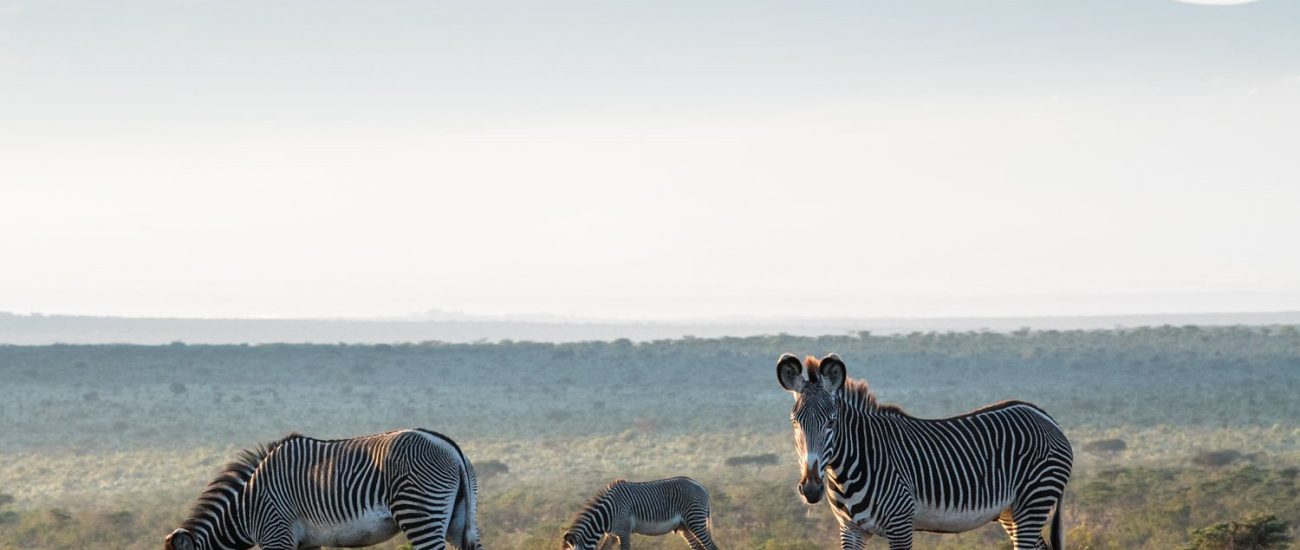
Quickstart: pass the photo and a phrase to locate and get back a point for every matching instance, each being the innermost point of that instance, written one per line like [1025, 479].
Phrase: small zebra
[678, 504]
[890, 473]
[300, 492]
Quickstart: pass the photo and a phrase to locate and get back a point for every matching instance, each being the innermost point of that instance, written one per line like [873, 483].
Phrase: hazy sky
[648, 159]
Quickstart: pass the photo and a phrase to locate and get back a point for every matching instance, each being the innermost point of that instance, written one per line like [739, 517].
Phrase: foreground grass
[1123, 508]
[1134, 499]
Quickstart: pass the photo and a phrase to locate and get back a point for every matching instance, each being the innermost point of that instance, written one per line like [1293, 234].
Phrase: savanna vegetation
[1185, 437]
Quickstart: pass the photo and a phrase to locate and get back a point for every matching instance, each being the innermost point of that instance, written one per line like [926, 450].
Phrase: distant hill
[68, 329]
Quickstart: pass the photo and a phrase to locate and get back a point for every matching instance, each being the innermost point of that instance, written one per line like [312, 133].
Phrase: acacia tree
[1257, 532]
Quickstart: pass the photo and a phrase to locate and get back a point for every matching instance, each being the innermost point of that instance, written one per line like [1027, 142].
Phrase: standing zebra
[654, 508]
[891, 474]
[300, 492]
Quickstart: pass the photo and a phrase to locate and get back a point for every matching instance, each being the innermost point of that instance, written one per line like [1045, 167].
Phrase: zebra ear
[788, 373]
[180, 539]
[833, 372]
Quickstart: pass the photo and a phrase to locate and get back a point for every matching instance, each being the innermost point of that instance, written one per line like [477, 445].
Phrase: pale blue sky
[648, 160]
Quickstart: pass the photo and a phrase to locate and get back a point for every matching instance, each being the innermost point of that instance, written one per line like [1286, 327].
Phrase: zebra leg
[852, 537]
[1025, 526]
[691, 540]
[900, 536]
[277, 536]
[1008, 525]
[605, 542]
[697, 541]
[621, 527]
[423, 511]
[697, 533]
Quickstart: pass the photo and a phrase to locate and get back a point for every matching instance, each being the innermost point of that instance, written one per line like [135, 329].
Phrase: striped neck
[856, 406]
[595, 519]
[856, 395]
[217, 520]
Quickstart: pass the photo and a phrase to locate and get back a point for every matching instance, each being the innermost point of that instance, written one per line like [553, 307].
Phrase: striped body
[301, 492]
[892, 471]
[678, 504]
[889, 474]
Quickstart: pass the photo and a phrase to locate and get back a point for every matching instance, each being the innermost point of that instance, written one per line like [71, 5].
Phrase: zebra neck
[596, 520]
[219, 520]
[855, 416]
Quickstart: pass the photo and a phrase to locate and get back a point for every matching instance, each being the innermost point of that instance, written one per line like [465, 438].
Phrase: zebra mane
[230, 482]
[595, 499]
[857, 392]
[858, 395]
[813, 366]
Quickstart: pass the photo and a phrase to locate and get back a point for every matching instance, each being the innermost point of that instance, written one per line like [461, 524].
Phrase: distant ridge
[72, 329]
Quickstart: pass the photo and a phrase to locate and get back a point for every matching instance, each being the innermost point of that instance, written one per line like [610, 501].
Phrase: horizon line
[545, 318]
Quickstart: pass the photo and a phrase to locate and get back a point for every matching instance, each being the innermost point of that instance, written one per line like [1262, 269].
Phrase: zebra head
[575, 540]
[814, 415]
[180, 539]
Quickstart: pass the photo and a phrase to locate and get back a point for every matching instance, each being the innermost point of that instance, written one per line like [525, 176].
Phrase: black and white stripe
[890, 474]
[300, 492]
[678, 504]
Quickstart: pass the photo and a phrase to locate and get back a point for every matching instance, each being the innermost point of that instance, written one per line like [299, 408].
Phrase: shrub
[1257, 532]
[1217, 459]
[759, 461]
[490, 468]
[646, 425]
[1105, 446]
[7, 516]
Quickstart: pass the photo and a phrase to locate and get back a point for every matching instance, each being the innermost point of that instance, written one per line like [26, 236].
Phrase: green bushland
[1257, 532]
[107, 446]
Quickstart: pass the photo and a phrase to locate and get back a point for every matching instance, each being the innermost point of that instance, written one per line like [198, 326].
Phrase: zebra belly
[655, 528]
[941, 520]
[372, 526]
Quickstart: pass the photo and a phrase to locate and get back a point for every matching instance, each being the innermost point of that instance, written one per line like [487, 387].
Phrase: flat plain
[1174, 428]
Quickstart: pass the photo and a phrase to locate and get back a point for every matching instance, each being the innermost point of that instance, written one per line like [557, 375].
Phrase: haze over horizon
[985, 307]
[666, 161]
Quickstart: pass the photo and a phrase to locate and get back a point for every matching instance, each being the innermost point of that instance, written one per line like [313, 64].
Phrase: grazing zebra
[660, 507]
[890, 473]
[300, 492]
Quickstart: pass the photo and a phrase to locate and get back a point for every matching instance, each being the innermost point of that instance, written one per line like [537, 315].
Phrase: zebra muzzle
[811, 489]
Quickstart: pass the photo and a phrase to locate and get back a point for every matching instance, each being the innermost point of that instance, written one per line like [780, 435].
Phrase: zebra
[890, 473]
[300, 492]
[677, 504]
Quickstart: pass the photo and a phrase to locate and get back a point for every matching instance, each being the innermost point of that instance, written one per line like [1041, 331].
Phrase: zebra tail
[466, 503]
[1057, 535]
[464, 509]
[459, 508]
[469, 485]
